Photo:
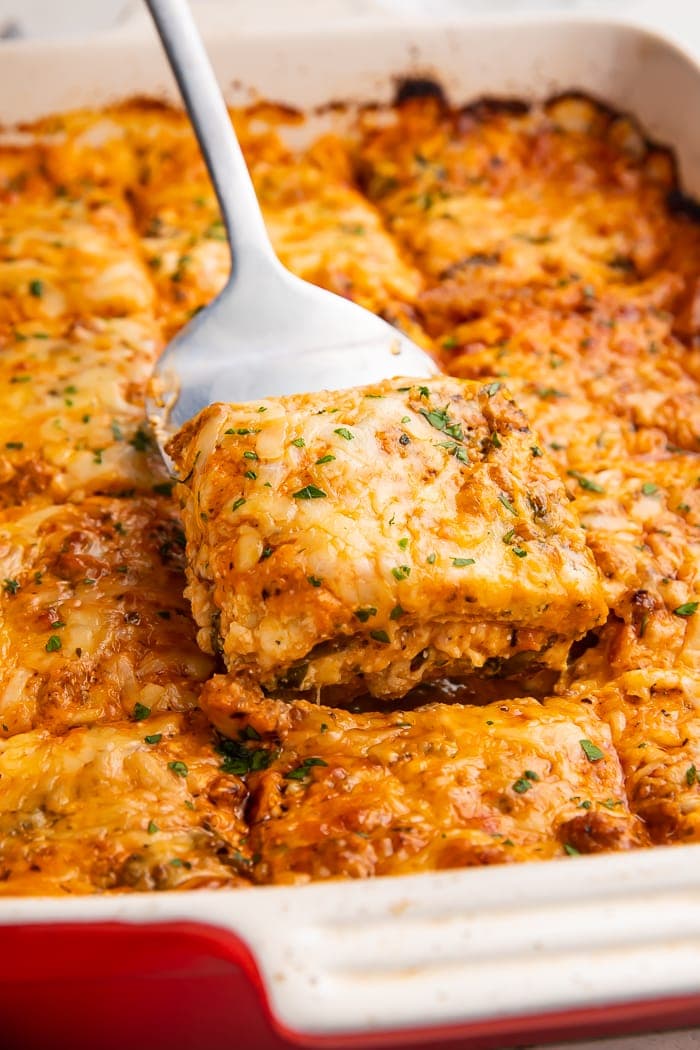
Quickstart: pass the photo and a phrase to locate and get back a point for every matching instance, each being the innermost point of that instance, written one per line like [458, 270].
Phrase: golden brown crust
[546, 248]
[376, 537]
[438, 787]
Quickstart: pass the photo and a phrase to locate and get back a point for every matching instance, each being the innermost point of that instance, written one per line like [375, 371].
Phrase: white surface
[569, 932]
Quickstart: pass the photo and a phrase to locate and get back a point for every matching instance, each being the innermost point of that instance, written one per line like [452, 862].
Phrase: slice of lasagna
[336, 793]
[375, 537]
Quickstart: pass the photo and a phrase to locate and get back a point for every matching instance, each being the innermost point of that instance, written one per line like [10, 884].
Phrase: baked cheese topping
[373, 537]
[546, 248]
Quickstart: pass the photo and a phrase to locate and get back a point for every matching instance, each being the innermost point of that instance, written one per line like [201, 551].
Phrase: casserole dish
[476, 957]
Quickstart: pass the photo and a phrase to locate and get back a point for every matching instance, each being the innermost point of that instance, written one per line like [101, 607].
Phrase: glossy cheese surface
[545, 248]
[376, 537]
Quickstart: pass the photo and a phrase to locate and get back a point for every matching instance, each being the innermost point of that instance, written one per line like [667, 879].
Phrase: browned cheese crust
[377, 537]
[546, 249]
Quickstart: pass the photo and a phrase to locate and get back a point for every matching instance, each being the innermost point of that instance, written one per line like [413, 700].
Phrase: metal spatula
[268, 333]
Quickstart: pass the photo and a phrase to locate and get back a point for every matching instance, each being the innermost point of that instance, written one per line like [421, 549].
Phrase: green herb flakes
[140, 712]
[401, 572]
[310, 492]
[363, 615]
[571, 850]
[380, 636]
[586, 483]
[299, 442]
[687, 609]
[10, 586]
[592, 752]
[239, 502]
[178, 768]
[54, 644]
[343, 432]
[502, 498]
[315, 581]
[460, 563]
[302, 771]
[153, 738]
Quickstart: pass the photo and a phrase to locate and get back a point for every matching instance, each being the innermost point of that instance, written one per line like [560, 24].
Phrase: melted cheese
[384, 535]
[545, 248]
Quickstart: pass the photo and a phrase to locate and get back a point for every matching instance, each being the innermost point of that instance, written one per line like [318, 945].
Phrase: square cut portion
[375, 537]
[335, 792]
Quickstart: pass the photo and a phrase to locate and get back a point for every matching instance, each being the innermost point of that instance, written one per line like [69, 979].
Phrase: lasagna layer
[378, 536]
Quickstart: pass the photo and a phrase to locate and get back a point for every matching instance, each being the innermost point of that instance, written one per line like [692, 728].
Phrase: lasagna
[376, 537]
[543, 252]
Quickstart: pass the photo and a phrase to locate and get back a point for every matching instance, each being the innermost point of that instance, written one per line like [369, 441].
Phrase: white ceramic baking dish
[475, 955]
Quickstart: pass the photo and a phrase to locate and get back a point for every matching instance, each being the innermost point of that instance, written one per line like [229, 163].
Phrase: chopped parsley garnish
[163, 488]
[58, 623]
[502, 498]
[299, 442]
[343, 432]
[519, 552]
[380, 636]
[10, 586]
[403, 543]
[14, 444]
[649, 488]
[396, 613]
[458, 451]
[592, 752]
[459, 563]
[36, 288]
[363, 615]
[324, 459]
[140, 712]
[251, 475]
[536, 451]
[315, 581]
[547, 392]
[153, 738]
[141, 440]
[53, 644]
[22, 378]
[117, 431]
[152, 827]
[492, 388]
[495, 440]
[302, 771]
[522, 784]
[687, 609]
[691, 776]
[507, 537]
[401, 572]
[439, 418]
[239, 502]
[585, 483]
[249, 454]
[240, 759]
[178, 768]
[431, 559]
[310, 492]
[571, 850]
